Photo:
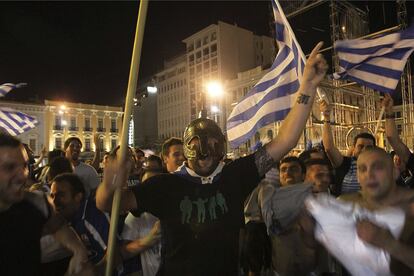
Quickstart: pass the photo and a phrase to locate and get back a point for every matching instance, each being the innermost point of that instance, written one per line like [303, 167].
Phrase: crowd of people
[190, 211]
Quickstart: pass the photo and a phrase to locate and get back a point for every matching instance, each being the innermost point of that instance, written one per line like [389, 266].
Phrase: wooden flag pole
[379, 120]
[132, 85]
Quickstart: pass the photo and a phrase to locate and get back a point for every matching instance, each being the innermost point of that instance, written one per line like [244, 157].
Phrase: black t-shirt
[200, 222]
[20, 231]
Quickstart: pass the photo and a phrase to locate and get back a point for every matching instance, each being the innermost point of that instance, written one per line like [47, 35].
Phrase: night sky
[80, 51]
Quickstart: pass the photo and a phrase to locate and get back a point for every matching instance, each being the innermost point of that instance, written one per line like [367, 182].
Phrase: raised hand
[315, 68]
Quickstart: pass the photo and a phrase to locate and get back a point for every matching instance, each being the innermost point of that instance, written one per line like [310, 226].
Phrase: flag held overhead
[376, 63]
[272, 97]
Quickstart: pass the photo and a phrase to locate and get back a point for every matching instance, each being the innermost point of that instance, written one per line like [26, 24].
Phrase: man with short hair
[345, 167]
[200, 206]
[318, 173]
[92, 225]
[291, 171]
[26, 216]
[172, 153]
[87, 173]
[376, 175]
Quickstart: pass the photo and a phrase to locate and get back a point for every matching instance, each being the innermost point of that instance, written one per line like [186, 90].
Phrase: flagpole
[132, 85]
[379, 120]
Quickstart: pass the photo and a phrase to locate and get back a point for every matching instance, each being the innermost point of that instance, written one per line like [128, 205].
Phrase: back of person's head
[148, 173]
[165, 148]
[365, 135]
[139, 151]
[154, 162]
[52, 155]
[316, 161]
[73, 180]
[58, 166]
[7, 140]
[69, 140]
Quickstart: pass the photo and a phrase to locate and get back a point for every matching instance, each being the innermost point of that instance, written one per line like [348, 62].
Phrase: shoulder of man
[39, 200]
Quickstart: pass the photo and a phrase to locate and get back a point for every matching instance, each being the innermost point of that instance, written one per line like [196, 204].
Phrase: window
[101, 143]
[190, 47]
[32, 144]
[113, 123]
[100, 122]
[87, 144]
[198, 43]
[72, 121]
[58, 120]
[191, 58]
[214, 62]
[198, 54]
[87, 122]
[205, 40]
[58, 143]
[206, 51]
[113, 143]
[213, 36]
[213, 48]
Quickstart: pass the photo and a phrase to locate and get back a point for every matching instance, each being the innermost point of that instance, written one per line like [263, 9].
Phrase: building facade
[63, 120]
[214, 54]
[173, 100]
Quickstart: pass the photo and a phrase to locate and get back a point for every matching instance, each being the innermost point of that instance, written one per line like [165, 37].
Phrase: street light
[215, 90]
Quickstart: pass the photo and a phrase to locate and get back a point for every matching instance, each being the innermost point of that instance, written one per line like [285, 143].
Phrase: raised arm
[294, 123]
[115, 175]
[333, 153]
[391, 130]
[133, 248]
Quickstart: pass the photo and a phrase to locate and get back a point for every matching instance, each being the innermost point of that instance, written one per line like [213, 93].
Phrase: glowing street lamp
[214, 89]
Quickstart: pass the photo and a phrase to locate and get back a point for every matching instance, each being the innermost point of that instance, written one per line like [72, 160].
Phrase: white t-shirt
[139, 227]
[88, 175]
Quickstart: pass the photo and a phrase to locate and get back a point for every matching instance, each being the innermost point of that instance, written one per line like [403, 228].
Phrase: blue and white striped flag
[272, 97]
[377, 62]
[7, 87]
[15, 122]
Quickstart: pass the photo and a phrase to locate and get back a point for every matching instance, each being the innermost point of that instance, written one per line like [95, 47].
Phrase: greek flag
[272, 97]
[15, 122]
[7, 87]
[377, 62]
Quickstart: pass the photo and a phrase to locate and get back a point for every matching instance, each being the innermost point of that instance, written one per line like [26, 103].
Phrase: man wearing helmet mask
[200, 205]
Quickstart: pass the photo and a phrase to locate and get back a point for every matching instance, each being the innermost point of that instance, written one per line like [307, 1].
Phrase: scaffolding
[355, 108]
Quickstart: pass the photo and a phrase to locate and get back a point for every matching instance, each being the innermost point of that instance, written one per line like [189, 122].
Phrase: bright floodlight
[64, 122]
[152, 89]
[63, 107]
[214, 89]
[215, 109]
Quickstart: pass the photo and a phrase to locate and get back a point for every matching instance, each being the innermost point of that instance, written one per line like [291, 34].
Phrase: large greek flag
[272, 97]
[15, 122]
[376, 63]
[7, 87]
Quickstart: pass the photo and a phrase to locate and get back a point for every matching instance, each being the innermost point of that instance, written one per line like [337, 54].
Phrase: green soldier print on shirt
[186, 208]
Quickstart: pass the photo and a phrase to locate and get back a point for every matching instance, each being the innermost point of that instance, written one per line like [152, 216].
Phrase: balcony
[87, 129]
[73, 128]
[101, 129]
[57, 127]
[115, 130]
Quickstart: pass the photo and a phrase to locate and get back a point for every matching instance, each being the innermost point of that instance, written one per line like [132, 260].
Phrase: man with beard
[86, 173]
[208, 194]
